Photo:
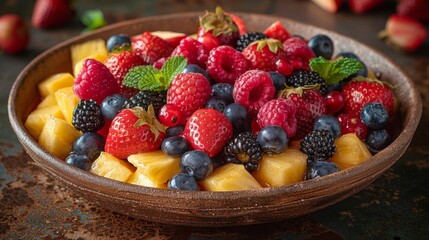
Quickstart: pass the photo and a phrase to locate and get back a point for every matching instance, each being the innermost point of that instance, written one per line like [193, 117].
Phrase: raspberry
[225, 64]
[296, 47]
[189, 91]
[279, 112]
[95, 81]
[193, 50]
[253, 89]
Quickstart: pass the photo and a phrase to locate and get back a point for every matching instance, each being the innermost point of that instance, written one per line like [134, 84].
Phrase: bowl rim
[98, 182]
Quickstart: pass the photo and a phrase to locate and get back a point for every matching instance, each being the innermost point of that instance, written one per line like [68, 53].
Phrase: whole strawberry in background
[418, 9]
[220, 25]
[51, 13]
[134, 131]
[264, 54]
[14, 35]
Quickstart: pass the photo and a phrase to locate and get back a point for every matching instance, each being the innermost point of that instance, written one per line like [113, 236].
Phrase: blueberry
[237, 115]
[175, 146]
[89, 144]
[216, 103]
[183, 181]
[197, 69]
[174, 131]
[111, 105]
[329, 123]
[79, 160]
[196, 163]
[322, 45]
[348, 55]
[117, 41]
[377, 140]
[272, 140]
[278, 79]
[317, 169]
[224, 91]
[374, 115]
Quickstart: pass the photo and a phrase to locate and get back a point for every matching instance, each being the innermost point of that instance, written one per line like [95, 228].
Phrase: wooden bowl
[212, 208]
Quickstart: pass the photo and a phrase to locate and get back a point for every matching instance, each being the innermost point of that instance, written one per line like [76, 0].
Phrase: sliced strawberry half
[363, 6]
[331, 6]
[404, 32]
[277, 31]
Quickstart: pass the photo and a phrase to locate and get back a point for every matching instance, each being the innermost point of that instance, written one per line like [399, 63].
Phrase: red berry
[95, 81]
[297, 48]
[189, 92]
[208, 130]
[264, 54]
[351, 123]
[159, 63]
[208, 40]
[170, 115]
[51, 13]
[253, 89]
[151, 48]
[284, 67]
[239, 23]
[417, 9]
[225, 64]
[14, 34]
[277, 31]
[192, 50]
[363, 6]
[279, 112]
[334, 101]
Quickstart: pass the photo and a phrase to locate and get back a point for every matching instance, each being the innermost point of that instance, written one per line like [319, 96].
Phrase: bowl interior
[205, 208]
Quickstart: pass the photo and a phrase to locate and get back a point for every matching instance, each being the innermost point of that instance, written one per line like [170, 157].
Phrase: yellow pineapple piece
[281, 169]
[37, 119]
[109, 166]
[57, 137]
[139, 178]
[47, 101]
[55, 82]
[350, 152]
[83, 50]
[157, 166]
[99, 56]
[67, 100]
[230, 177]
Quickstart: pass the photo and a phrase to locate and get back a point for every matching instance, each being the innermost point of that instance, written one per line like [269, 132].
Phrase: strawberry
[134, 131]
[208, 40]
[363, 6]
[173, 38]
[310, 105]
[277, 31]
[264, 54]
[189, 91]
[418, 9]
[119, 63]
[95, 81]
[404, 32]
[360, 92]
[14, 34]
[221, 25]
[208, 130]
[150, 48]
[51, 13]
[193, 51]
[239, 22]
[332, 6]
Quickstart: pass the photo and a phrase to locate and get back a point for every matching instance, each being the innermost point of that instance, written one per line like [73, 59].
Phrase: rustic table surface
[34, 206]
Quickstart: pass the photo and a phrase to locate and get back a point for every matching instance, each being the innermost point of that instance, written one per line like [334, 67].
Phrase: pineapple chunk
[109, 166]
[350, 152]
[282, 169]
[55, 82]
[67, 100]
[37, 119]
[230, 177]
[139, 178]
[57, 137]
[157, 166]
[101, 57]
[48, 101]
[83, 50]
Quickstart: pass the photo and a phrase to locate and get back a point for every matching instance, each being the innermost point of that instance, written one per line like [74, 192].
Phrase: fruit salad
[221, 109]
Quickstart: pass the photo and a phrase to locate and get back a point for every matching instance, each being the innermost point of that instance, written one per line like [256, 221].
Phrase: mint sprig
[149, 78]
[335, 71]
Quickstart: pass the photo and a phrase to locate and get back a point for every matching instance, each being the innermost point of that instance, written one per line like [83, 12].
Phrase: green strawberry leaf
[149, 78]
[93, 19]
[333, 72]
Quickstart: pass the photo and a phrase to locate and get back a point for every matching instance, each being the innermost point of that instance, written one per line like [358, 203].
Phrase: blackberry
[244, 149]
[318, 145]
[87, 116]
[247, 39]
[302, 77]
[145, 98]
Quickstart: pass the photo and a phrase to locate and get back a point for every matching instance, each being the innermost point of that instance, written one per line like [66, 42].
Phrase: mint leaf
[333, 72]
[172, 67]
[144, 78]
[93, 19]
